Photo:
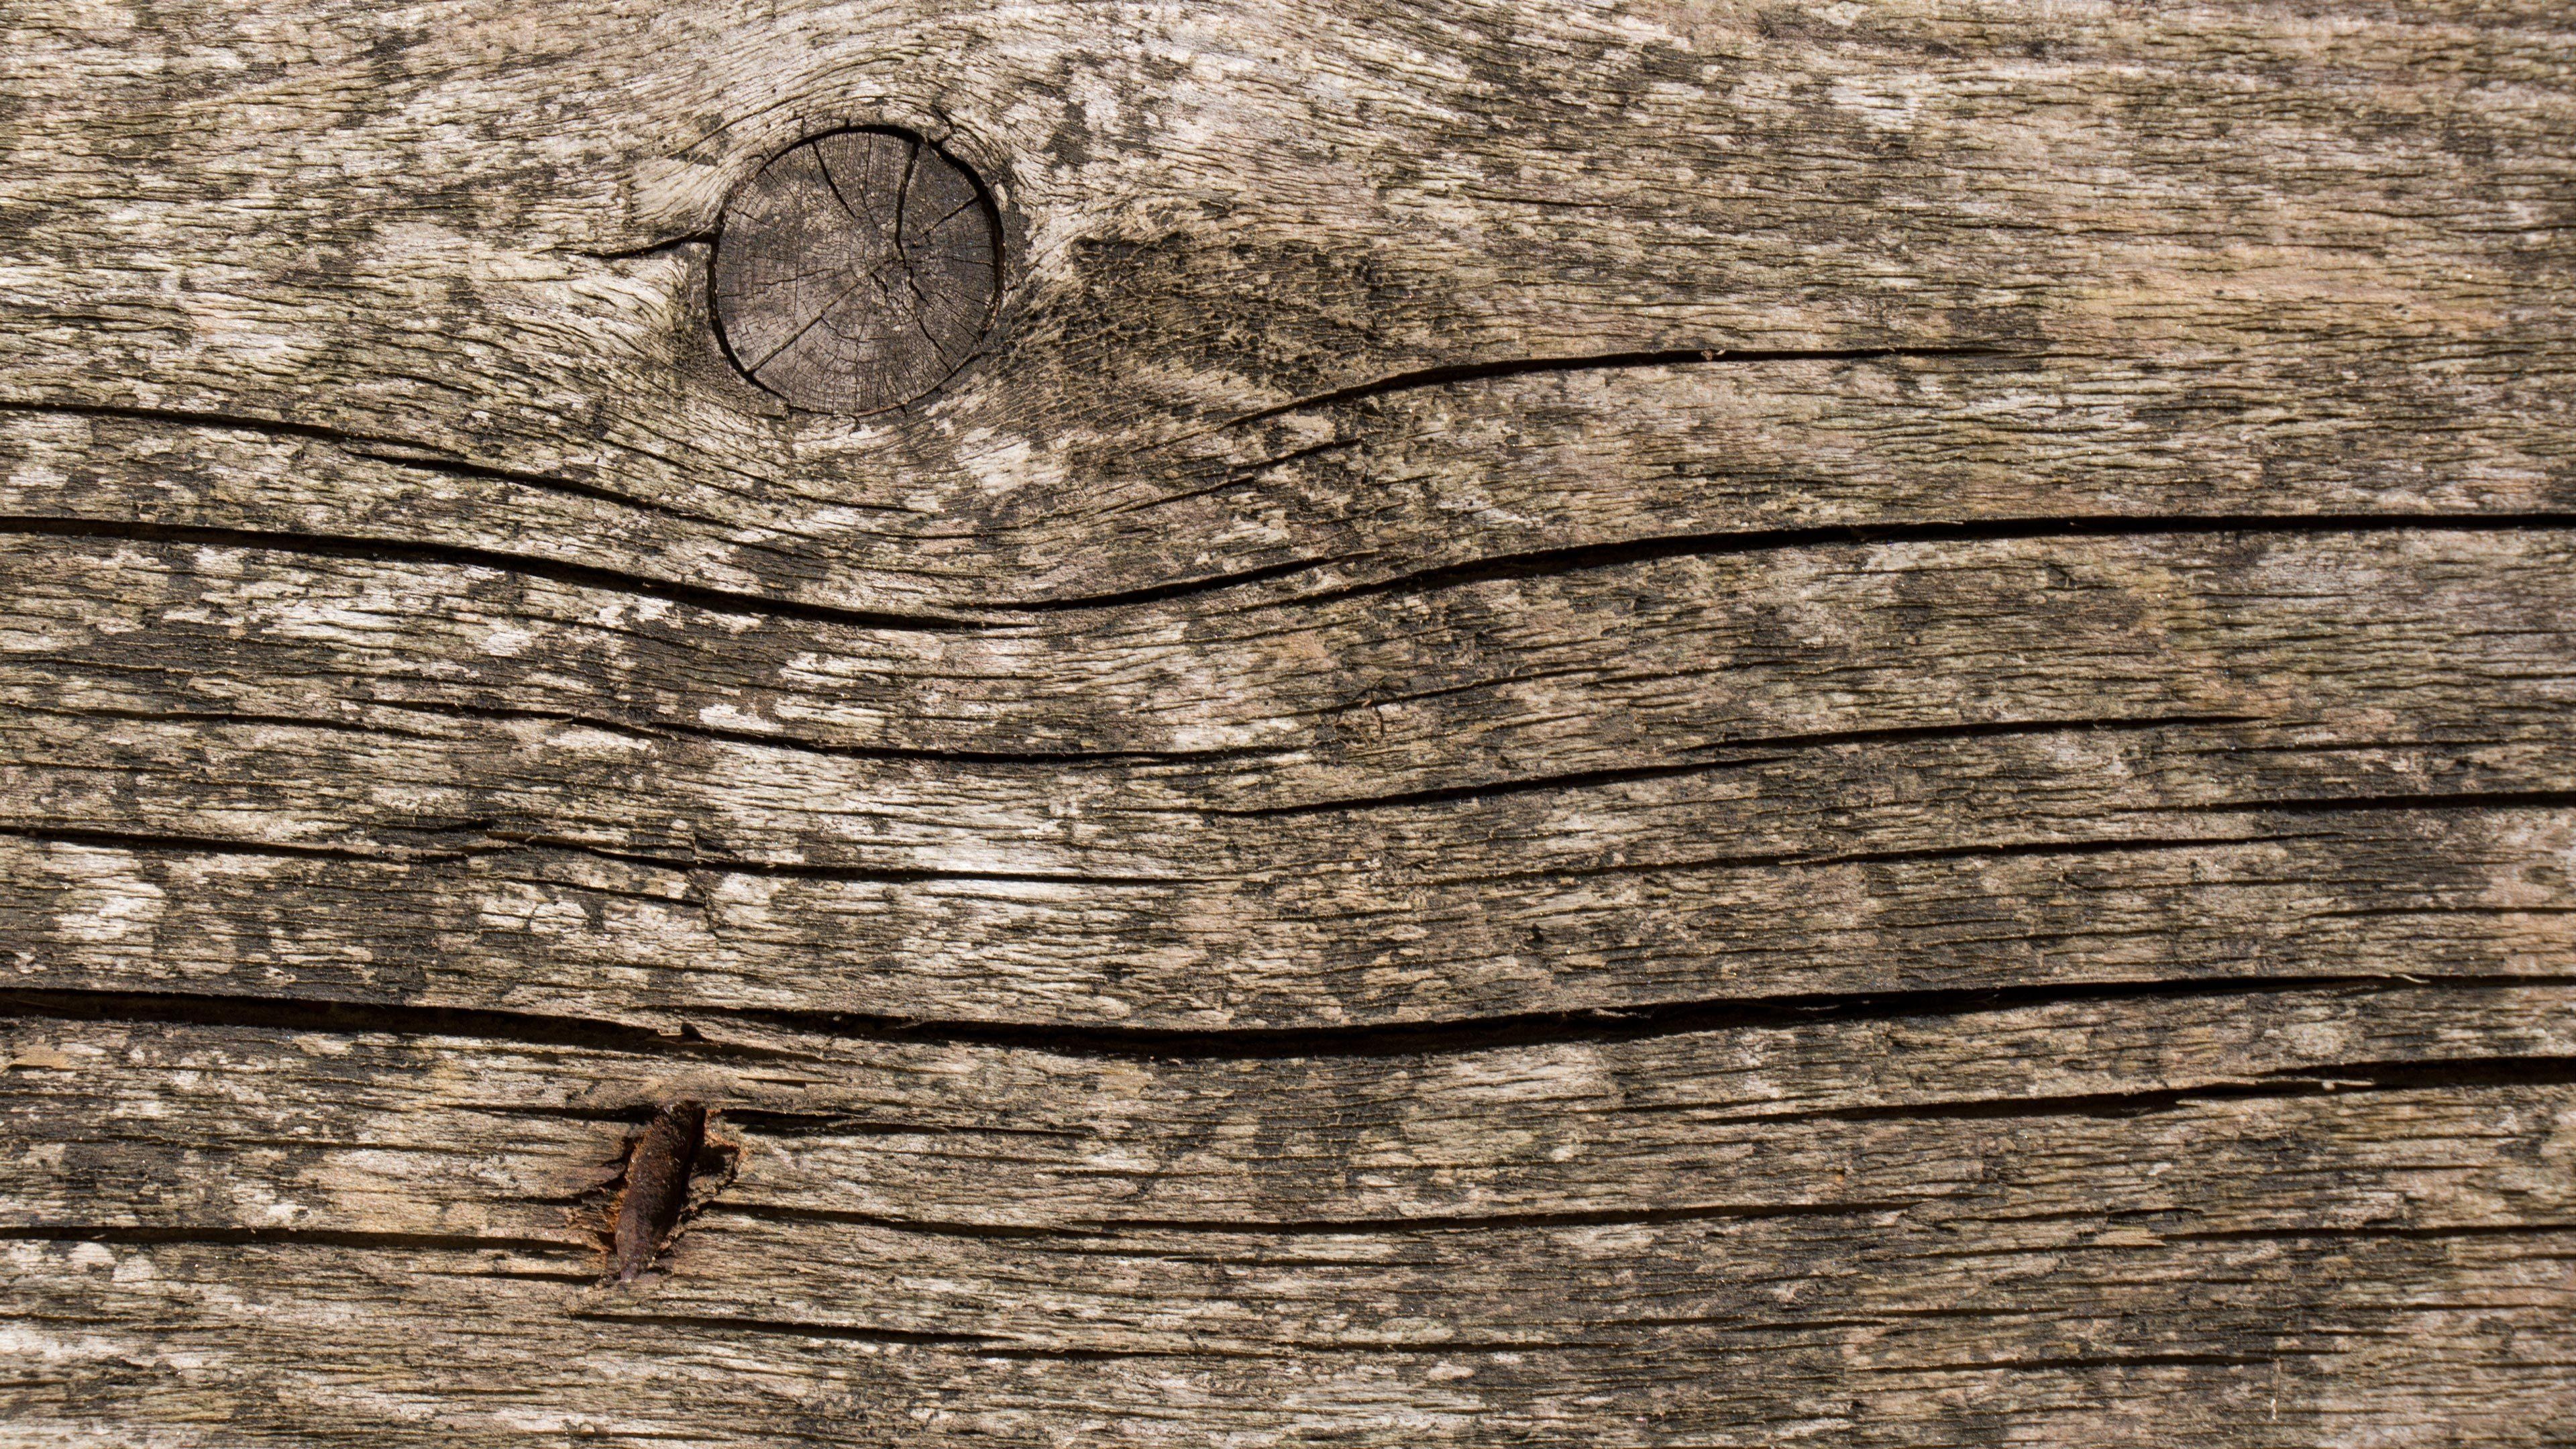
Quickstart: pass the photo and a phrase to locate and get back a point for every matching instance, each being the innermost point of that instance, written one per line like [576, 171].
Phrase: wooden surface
[1661, 724]
[856, 271]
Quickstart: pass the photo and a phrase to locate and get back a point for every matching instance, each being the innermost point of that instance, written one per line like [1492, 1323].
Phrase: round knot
[857, 270]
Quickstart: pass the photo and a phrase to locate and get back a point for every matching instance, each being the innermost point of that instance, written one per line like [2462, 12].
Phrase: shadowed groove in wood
[2013, 849]
[2371, 1230]
[1587, 558]
[2355, 804]
[1283, 1354]
[491, 842]
[308, 1237]
[1111, 1229]
[1737, 751]
[1392, 1039]
[1982, 729]
[828, 1331]
[216, 845]
[356, 1017]
[662, 730]
[1582, 559]
[2325, 1080]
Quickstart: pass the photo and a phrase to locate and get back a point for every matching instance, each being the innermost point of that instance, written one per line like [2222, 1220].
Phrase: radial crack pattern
[832, 289]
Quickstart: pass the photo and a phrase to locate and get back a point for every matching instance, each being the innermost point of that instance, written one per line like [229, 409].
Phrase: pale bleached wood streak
[1668, 723]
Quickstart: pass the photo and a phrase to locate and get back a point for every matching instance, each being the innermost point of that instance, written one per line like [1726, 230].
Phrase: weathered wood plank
[2420, 894]
[391, 1133]
[1369, 694]
[2116, 190]
[289, 1337]
[1628, 723]
[1936, 749]
[1442, 475]
[1995, 1212]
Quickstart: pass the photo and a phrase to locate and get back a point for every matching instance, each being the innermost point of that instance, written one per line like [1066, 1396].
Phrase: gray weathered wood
[1636, 723]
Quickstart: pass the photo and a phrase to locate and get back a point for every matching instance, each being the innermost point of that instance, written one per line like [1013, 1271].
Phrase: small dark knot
[857, 271]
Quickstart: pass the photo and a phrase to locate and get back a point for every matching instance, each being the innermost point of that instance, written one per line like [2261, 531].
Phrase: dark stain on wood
[857, 271]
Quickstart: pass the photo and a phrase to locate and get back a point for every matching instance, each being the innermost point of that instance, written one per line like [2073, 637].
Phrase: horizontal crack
[981, 1345]
[864, 874]
[1159, 593]
[984, 615]
[152, 841]
[2114, 1361]
[1387, 1039]
[1584, 558]
[788, 1213]
[1606, 1024]
[309, 1237]
[501, 843]
[663, 730]
[843, 1332]
[1455, 794]
[770, 1123]
[2333, 805]
[1798, 860]
[646, 249]
[2334, 1079]
[1096, 1232]
[1582, 779]
[1590, 557]
[1497, 1222]
[2491, 1071]
[2368, 1230]
[357, 1018]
